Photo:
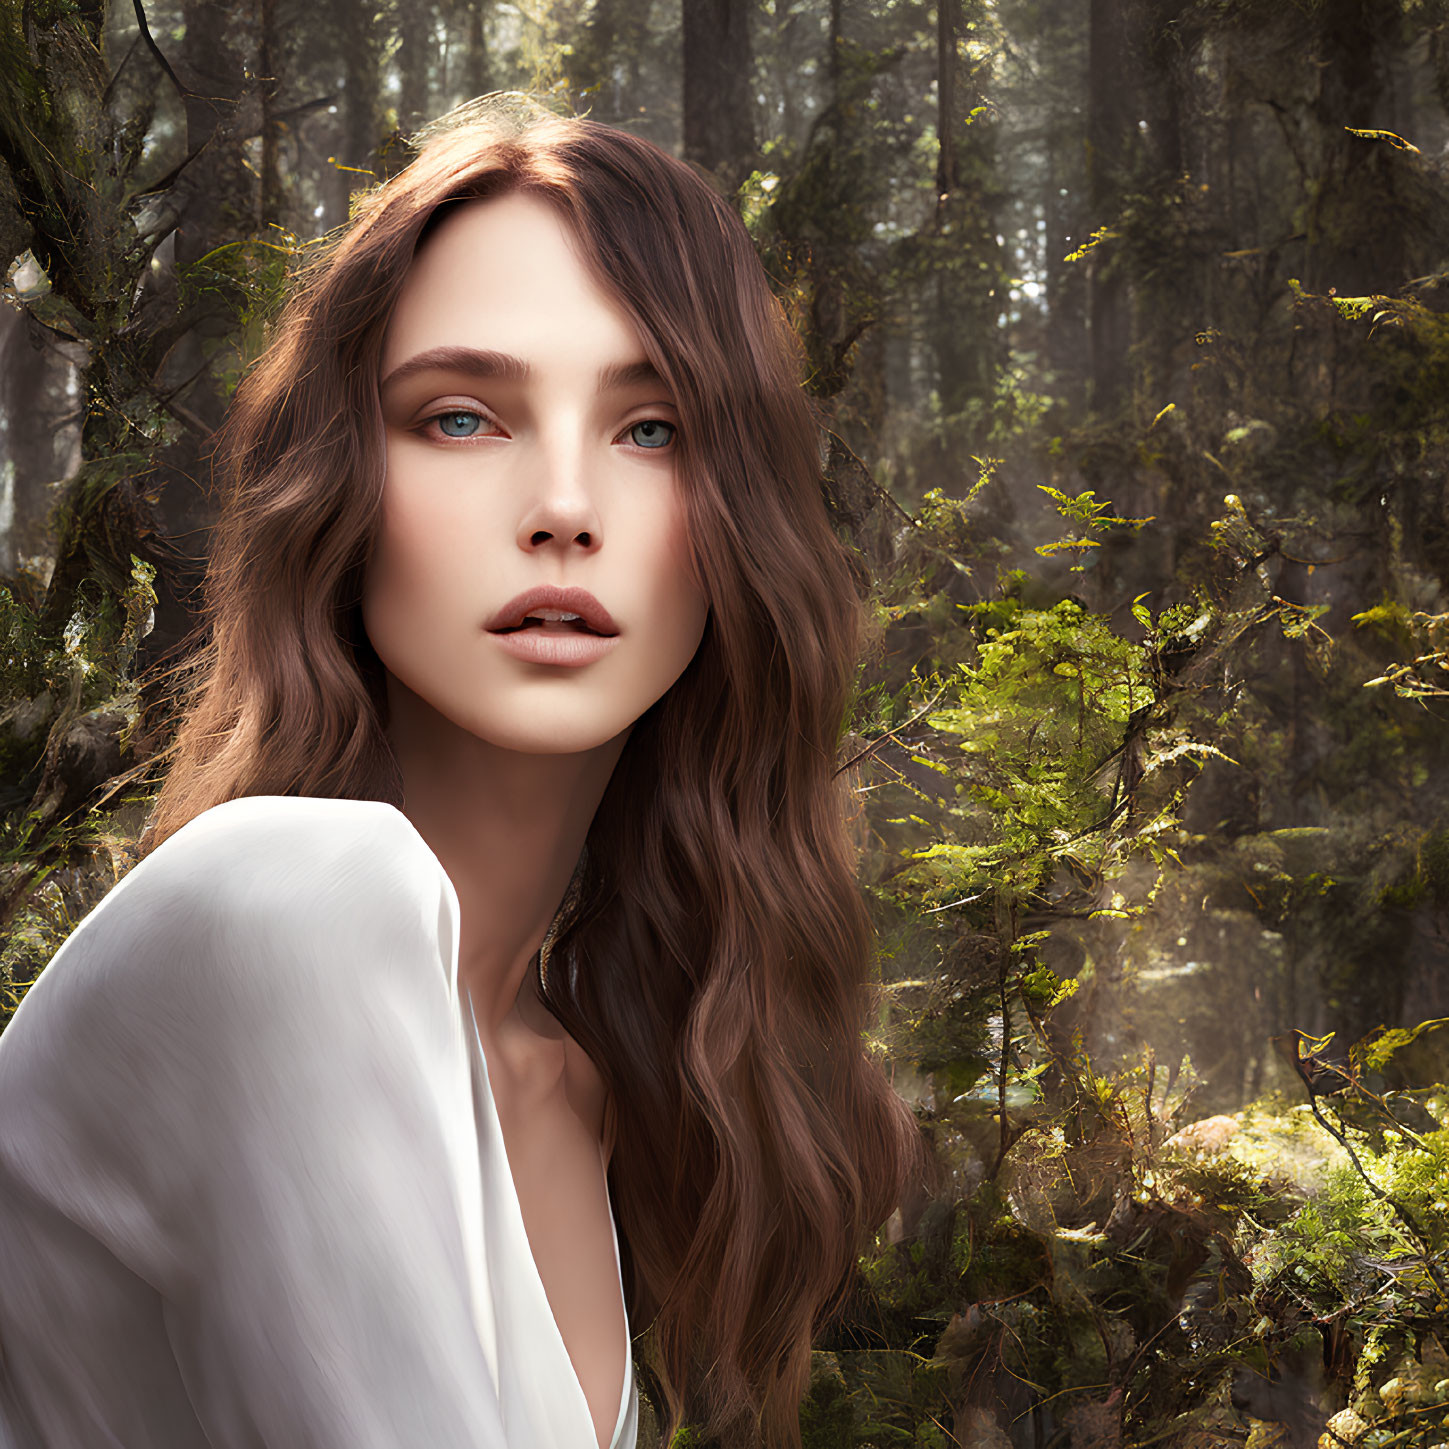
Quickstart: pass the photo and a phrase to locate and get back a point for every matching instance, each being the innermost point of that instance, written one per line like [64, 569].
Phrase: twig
[1003, 971]
[155, 50]
[1004, 1145]
[1405, 1215]
[1147, 1095]
[184, 415]
[111, 84]
[964, 901]
[1070, 1389]
[881, 492]
[891, 734]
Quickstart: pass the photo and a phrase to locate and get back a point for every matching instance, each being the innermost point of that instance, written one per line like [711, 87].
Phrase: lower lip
[568, 648]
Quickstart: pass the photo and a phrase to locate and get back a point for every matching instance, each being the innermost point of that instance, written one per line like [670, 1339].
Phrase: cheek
[386, 587]
[688, 556]
[684, 600]
[410, 570]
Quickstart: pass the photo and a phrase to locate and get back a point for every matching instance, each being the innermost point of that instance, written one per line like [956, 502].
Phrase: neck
[508, 828]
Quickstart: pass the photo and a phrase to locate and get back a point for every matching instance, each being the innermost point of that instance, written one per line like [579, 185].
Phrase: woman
[493, 981]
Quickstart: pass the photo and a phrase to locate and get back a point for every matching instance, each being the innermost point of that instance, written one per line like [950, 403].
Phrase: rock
[1203, 1138]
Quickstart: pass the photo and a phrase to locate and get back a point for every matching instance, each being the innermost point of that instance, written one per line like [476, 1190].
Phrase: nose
[562, 513]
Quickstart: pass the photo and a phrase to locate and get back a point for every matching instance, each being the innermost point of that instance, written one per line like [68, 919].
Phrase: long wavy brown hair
[714, 955]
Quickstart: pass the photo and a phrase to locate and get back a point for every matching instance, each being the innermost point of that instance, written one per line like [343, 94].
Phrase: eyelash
[484, 417]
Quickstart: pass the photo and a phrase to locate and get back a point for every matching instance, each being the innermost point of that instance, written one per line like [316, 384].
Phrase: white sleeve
[248, 1079]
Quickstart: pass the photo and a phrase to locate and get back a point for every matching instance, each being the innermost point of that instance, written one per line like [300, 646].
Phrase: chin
[553, 737]
[562, 744]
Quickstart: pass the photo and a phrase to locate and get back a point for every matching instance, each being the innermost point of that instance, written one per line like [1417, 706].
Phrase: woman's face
[530, 476]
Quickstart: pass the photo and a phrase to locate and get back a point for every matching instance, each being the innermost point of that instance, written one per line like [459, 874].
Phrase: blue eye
[459, 424]
[656, 433]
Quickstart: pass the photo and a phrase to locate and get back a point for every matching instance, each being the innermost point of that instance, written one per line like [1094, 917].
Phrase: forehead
[505, 273]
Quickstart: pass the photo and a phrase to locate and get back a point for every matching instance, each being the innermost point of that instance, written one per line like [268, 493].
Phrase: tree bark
[38, 377]
[964, 331]
[1111, 102]
[947, 22]
[719, 132]
[415, 51]
[478, 65]
[1357, 238]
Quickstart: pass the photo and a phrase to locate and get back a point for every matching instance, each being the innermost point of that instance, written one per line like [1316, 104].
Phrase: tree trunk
[415, 51]
[41, 432]
[477, 66]
[719, 132]
[1063, 60]
[947, 22]
[969, 299]
[1111, 103]
[1356, 242]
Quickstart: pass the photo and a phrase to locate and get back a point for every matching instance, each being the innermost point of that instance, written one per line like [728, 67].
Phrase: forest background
[1132, 321]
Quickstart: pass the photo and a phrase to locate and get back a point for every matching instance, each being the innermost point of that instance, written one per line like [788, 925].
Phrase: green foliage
[1023, 735]
[64, 692]
[89, 660]
[1378, 1050]
[1089, 518]
[244, 279]
[1426, 675]
[1032, 765]
[1209, 1261]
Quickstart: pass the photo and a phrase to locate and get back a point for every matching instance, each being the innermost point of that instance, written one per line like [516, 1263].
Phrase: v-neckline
[496, 1126]
[463, 1000]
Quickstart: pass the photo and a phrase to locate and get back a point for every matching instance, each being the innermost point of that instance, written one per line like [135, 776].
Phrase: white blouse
[253, 1187]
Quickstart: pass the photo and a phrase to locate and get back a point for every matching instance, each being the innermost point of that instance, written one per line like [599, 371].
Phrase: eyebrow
[481, 363]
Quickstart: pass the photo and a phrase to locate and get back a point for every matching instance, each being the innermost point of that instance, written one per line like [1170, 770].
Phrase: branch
[880, 492]
[155, 50]
[1004, 1144]
[891, 734]
[304, 108]
[1405, 1216]
[111, 84]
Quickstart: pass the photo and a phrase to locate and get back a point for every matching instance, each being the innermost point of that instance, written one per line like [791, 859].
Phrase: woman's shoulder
[257, 840]
[260, 858]
[260, 893]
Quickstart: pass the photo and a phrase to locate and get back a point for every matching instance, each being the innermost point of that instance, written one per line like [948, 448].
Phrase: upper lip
[548, 596]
